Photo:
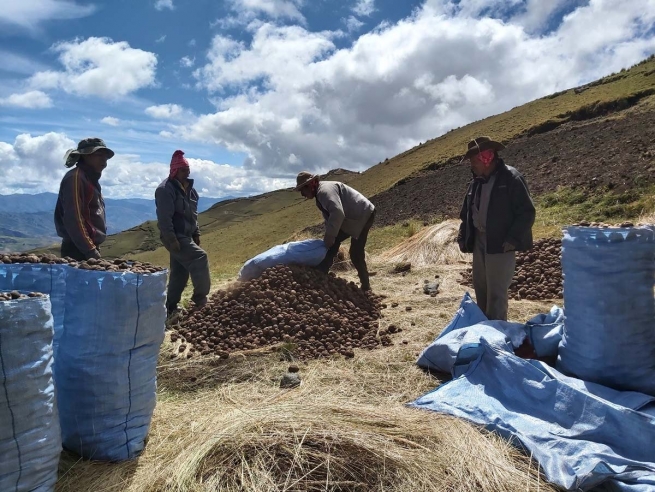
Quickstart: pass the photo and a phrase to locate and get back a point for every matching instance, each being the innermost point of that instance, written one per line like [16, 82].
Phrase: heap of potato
[101, 265]
[538, 273]
[317, 315]
[14, 295]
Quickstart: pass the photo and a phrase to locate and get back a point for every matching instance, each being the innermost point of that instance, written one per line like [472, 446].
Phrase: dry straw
[434, 245]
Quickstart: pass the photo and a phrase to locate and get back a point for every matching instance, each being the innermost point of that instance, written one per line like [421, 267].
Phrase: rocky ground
[615, 153]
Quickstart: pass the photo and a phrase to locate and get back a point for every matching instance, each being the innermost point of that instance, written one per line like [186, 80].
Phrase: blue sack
[37, 277]
[30, 439]
[310, 253]
[106, 366]
[608, 295]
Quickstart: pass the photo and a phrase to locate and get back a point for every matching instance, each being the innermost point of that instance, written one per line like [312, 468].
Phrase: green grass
[567, 206]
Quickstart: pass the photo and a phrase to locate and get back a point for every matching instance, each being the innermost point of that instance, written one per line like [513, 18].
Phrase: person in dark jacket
[80, 211]
[497, 218]
[347, 214]
[177, 219]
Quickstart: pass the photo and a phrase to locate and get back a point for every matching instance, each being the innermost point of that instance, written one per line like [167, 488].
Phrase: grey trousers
[190, 261]
[492, 277]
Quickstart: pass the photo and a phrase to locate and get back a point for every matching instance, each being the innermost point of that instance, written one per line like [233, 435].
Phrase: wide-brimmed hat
[303, 179]
[86, 147]
[480, 144]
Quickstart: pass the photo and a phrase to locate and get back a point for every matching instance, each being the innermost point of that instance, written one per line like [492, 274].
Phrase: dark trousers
[69, 249]
[357, 253]
[192, 261]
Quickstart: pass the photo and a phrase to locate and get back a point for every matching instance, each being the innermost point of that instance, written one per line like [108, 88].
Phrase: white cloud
[295, 101]
[29, 14]
[352, 23]
[164, 111]
[29, 100]
[164, 4]
[364, 8]
[36, 164]
[187, 62]
[99, 67]
[192, 43]
[249, 10]
[111, 121]
[161, 39]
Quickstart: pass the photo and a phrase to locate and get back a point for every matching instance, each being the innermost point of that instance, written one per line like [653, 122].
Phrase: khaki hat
[86, 147]
[303, 179]
[480, 144]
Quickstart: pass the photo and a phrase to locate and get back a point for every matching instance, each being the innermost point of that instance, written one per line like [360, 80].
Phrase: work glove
[507, 247]
[175, 246]
[196, 239]
[328, 241]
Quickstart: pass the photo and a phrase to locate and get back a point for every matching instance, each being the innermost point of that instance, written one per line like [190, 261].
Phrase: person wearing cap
[177, 218]
[497, 218]
[347, 214]
[80, 211]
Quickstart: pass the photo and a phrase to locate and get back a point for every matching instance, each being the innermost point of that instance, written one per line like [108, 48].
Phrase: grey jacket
[80, 210]
[343, 208]
[177, 210]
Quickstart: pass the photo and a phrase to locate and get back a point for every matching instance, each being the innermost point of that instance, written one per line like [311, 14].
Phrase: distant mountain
[26, 221]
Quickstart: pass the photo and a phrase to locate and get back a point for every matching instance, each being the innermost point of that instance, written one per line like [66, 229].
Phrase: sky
[254, 91]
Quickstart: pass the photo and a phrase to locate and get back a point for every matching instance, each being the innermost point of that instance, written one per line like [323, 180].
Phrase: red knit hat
[178, 162]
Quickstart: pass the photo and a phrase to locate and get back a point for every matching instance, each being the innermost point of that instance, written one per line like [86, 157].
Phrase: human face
[97, 161]
[478, 168]
[308, 192]
[183, 174]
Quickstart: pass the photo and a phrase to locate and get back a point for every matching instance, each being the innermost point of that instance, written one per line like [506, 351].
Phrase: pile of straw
[434, 245]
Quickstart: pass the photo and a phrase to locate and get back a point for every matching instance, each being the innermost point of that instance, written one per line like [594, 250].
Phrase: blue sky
[256, 90]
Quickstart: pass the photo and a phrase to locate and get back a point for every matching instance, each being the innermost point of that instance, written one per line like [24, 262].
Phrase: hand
[328, 241]
[507, 247]
[196, 239]
[94, 253]
[175, 246]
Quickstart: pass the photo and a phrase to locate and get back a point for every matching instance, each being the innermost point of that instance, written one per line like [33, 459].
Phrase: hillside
[240, 229]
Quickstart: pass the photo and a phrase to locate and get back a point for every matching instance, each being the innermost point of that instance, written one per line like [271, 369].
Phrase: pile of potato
[317, 315]
[14, 295]
[100, 265]
[538, 273]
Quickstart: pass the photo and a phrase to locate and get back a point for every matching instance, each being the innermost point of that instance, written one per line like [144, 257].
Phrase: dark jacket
[510, 215]
[80, 210]
[177, 210]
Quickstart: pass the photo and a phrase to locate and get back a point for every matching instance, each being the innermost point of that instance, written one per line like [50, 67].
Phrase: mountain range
[26, 221]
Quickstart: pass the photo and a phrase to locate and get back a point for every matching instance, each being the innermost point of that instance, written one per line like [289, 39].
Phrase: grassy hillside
[240, 229]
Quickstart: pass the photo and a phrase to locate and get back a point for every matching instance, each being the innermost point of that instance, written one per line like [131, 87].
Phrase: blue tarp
[309, 252]
[584, 436]
[470, 324]
[30, 439]
[107, 361]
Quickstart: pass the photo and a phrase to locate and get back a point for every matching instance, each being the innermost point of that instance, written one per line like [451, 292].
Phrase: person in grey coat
[497, 217]
[347, 214]
[177, 219]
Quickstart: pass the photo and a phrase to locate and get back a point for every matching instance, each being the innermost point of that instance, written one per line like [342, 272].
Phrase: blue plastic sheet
[310, 252]
[467, 326]
[107, 360]
[608, 293]
[30, 439]
[583, 435]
